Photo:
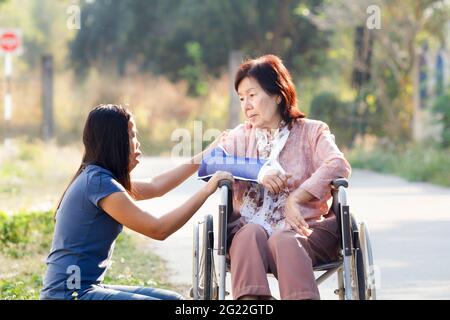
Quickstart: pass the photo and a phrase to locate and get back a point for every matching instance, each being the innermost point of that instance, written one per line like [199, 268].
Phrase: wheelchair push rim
[369, 268]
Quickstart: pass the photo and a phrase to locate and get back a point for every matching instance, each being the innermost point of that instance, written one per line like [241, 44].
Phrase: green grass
[134, 264]
[25, 240]
[33, 174]
[414, 163]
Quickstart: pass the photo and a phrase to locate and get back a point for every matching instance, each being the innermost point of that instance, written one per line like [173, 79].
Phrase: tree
[157, 35]
[404, 24]
[337, 114]
[43, 25]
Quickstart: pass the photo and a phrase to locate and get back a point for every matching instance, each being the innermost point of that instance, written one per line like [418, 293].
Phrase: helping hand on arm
[122, 208]
[163, 183]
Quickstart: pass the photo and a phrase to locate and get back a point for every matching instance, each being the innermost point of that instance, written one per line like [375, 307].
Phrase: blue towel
[246, 169]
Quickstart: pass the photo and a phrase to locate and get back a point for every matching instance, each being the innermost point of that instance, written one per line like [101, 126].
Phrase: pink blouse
[310, 155]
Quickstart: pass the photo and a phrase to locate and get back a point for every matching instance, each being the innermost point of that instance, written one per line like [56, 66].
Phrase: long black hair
[106, 143]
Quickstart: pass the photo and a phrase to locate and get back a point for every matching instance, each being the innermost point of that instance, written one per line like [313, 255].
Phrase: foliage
[33, 174]
[404, 26]
[25, 287]
[134, 52]
[25, 230]
[134, 264]
[441, 107]
[25, 239]
[193, 72]
[413, 162]
[43, 26]
[171, 37]
[337, 114]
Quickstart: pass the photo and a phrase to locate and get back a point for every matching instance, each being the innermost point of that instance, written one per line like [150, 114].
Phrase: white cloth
[272, 148]
[259, 205]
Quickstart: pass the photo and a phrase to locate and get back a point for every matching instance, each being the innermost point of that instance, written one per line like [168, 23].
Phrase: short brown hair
[275, 79]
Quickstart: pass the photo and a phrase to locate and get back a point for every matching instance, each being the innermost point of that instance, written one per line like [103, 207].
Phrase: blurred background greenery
[372, 74]
[168, 60]
[378, 72]
[25, 240]
[384, 91]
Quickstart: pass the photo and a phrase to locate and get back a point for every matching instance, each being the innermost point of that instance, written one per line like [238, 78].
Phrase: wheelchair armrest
[340, 182]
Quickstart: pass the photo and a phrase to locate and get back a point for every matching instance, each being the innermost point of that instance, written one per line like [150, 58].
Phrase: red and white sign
[10, 41]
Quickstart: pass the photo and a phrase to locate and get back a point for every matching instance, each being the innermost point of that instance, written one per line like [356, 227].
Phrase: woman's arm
[330, 164]
[123, 209]
[328, 161]
[301, 196]
[163, 183]
[292, 212]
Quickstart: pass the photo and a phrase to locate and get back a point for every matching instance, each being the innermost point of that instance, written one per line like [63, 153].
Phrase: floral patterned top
[259, 205]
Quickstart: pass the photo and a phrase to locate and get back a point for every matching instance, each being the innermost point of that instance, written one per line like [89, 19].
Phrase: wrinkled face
[259, 108]
[135, 152]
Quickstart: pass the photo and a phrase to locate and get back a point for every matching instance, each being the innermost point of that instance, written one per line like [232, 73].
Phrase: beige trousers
[286, 254]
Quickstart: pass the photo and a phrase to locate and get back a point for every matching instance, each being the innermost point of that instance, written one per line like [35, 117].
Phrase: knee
[254, 230]
[280, 238]
[250, 233]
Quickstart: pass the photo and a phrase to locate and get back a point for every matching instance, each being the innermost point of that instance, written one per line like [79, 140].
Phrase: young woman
[100, 200]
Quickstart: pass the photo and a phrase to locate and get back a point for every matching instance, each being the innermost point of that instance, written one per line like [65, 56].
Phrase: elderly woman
[281, 225]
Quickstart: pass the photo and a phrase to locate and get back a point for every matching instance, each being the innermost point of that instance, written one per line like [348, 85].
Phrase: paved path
[409, 225]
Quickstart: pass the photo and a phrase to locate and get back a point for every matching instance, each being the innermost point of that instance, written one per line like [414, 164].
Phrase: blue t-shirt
[84, 235]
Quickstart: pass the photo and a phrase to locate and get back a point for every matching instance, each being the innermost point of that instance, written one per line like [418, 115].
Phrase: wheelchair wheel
[207, 267]
[358, 278]
[367, 256]
[194, 292]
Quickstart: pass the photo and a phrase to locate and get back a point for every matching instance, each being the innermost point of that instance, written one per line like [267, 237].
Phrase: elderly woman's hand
[294, 217]
[275, 181]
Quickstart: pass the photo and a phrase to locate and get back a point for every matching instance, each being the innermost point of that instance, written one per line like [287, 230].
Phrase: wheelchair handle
[340, 182]
[225, 210]
[225, 182]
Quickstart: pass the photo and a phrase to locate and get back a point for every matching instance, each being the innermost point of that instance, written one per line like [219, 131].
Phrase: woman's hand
[197, 159]
[294, 217]
[275, 181]
[213, 182]
[219, 140]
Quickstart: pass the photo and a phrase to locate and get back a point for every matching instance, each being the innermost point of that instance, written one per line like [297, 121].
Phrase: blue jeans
[119, 292]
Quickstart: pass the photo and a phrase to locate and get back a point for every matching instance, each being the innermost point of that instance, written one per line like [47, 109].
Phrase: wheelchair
[354, 267]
